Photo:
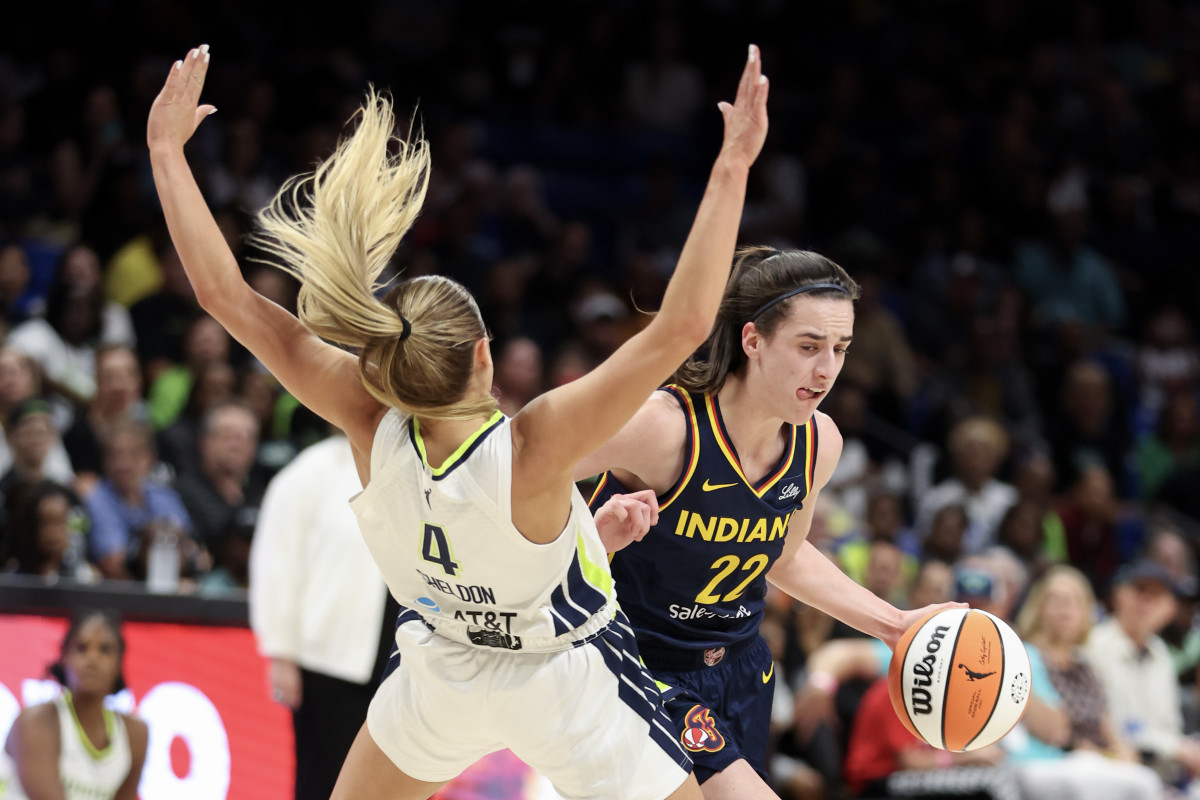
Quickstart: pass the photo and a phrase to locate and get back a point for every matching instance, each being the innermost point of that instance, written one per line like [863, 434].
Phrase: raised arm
[560, 427]
[323, 377]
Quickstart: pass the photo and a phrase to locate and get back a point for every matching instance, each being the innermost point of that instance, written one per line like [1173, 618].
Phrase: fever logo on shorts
[700, 733]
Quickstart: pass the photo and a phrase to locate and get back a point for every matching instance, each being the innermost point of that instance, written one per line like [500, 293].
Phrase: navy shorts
[721, 712]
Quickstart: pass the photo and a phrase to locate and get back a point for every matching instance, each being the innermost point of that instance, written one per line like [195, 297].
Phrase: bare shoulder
[138, 732]
[35, 727]
[650, 446]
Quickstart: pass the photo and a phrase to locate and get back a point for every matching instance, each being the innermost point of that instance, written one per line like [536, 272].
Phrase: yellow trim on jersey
[599, 577]
[732, 458]
[462, 448]
[110, 728]
[810, 455]
[694, 432]
[599, 485]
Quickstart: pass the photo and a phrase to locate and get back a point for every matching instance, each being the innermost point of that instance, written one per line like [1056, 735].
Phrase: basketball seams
[962, 621]
[1003, 681]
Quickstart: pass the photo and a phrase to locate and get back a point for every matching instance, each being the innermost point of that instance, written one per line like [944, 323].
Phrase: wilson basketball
[959, 679]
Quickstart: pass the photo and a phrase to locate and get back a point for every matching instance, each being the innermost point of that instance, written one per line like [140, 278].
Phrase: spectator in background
[944, 541]
[163, 318]
[1168, 360]
[1054, 622]
[883, 363]
[519, 375]
[1173, 447]
[78, 320]
[47, 534]
[17, 302]
[19, 384]
[977, 447]
[118, 397]
[1100, 533]
[1034, 479]
[1135, 667]
[1089, 427]
[206, 343]
[31, 437]
[125, 506]
[231, 555]
[179, 444]
[1021, 532]
[317, 607]
[225, 481]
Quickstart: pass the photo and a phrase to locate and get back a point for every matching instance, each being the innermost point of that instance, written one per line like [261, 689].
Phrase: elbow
[685, 331]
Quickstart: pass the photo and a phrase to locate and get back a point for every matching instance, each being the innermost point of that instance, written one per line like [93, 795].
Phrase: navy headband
[812, 287]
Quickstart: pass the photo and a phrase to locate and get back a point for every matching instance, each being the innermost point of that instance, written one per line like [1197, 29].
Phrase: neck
[1055, 651]
[87, 706]
[750, 430]
[449, 432]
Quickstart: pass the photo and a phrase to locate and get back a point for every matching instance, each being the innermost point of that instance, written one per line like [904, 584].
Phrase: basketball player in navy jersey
[736, 452]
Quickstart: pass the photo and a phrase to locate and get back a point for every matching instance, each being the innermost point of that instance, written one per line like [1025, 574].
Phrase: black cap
[1147, 569]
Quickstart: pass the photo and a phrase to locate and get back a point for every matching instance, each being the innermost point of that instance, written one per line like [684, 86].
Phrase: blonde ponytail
[335, 229]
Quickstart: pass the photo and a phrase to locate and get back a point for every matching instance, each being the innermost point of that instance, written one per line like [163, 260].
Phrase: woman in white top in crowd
[74, 748]
[511, 635]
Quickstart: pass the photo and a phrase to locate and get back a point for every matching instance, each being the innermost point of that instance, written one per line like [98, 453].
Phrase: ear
[752, 340]
[483, 353]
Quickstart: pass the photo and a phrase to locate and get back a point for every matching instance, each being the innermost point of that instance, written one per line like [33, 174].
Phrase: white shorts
[589, 719]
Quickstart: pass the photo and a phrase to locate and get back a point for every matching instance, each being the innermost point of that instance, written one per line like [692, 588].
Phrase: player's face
[92, 659]
[800, 361]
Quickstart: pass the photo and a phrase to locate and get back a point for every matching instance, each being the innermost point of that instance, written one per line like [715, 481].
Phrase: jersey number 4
[727, 566]
[435, 548]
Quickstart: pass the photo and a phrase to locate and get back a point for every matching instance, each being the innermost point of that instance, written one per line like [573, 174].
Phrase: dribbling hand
[626, 518]
[746, 119]
[176, 112]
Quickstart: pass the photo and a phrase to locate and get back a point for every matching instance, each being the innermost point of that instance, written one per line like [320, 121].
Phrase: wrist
[731, 165]
[823, 682]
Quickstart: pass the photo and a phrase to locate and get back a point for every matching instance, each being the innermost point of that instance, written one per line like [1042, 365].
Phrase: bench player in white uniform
[73, 747]
[512, 637]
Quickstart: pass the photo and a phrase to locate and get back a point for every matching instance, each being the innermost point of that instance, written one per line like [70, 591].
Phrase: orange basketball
[959, 679]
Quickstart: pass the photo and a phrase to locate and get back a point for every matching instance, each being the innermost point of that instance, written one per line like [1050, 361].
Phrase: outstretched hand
[626, 518]
[746, 119]
[176, 112]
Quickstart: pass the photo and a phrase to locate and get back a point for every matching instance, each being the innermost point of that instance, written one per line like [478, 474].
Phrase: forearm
[696, 290]
[210, 266]
[810, 577]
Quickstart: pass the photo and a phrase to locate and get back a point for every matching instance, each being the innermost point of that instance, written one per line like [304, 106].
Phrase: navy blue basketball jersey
[698, 578]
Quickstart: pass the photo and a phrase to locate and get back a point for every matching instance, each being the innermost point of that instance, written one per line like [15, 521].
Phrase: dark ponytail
[760, 275]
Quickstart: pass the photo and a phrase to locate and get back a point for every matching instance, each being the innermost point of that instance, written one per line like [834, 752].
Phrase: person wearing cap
[31, 436]
[1135, 667]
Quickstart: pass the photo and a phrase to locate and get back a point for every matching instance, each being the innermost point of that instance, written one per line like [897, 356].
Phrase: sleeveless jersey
[698, 579]
[445, 544]
[86, 773]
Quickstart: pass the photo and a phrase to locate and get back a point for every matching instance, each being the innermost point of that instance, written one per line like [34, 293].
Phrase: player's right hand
[746, 119]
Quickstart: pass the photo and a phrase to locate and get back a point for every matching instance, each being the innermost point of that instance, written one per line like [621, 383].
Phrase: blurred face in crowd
[127, 461]
[798, 364]
[977, 447]
[14, 272]
[118, 379]
[18, 380]
[206, 342]
[92, 659]
[884, 569]
[934, 584]
[1170, 550]
[1021, 530]
[1066, 610]
[31, 439]
[946, 532]
[884, 516]
[519, 369]
[54, 530]
[229, 444]
[1143, 607]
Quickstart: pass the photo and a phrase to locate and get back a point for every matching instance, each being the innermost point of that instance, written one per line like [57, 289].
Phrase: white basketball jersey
[86, 773]
[445, 544]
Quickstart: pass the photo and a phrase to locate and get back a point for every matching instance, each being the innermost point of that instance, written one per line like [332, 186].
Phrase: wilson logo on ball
[923, 672]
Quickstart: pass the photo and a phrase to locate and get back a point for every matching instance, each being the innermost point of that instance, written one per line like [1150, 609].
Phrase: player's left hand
[176, 112]
[626, 518]
[909, 618]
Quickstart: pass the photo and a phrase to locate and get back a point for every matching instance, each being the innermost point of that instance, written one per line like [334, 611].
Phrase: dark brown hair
[760, 275]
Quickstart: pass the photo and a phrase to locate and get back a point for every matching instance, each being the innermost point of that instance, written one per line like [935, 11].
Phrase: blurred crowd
[1015, 184]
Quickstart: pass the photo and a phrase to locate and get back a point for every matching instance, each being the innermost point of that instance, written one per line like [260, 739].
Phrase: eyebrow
[820, 336]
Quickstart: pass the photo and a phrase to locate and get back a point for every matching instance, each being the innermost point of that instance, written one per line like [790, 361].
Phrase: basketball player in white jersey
[73, 747]
[512, 636]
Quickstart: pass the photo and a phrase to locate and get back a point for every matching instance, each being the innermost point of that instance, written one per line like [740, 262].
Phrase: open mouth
[809, 393]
